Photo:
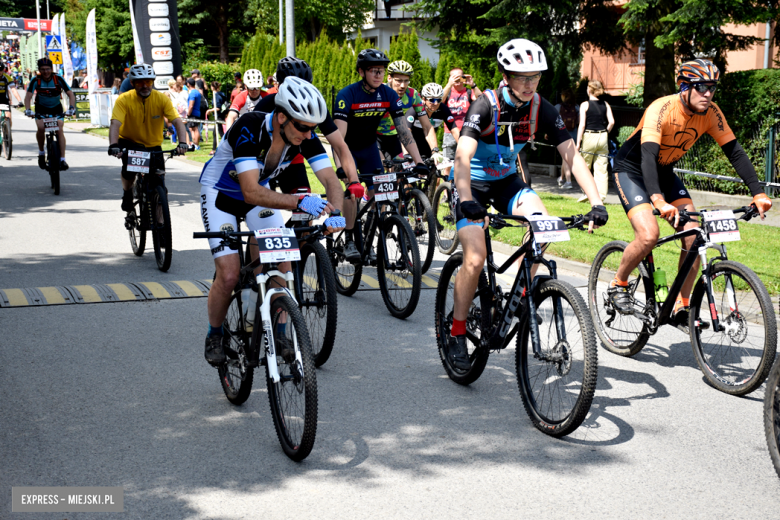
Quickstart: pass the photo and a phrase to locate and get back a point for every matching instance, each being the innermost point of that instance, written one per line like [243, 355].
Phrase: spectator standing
[195, 74]
[596, 121]
[459, 93]
[238, 88]
[194, 98]
[182, 84]
[219, 110]
[570, 113]
[116, 85]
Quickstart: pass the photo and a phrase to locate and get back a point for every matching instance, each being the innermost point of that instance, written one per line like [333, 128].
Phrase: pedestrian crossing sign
[55, 57]
[53, 43]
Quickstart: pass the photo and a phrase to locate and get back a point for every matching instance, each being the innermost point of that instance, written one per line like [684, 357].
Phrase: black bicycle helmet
[45, 62]
[290, 66]
[371, 57]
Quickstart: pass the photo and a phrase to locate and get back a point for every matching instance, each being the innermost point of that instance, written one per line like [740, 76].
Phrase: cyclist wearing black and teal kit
[359, 110]
[485, 169]
[47, 89]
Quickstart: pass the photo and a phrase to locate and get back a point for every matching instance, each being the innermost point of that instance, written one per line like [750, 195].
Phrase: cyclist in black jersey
[359, 110]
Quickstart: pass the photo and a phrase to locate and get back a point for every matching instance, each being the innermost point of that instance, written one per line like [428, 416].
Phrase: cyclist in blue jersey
[47, 88]
[235, 183]
[485, 169]
[359, 109]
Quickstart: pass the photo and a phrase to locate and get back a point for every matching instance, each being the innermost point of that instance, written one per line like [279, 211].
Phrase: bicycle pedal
[702, 325]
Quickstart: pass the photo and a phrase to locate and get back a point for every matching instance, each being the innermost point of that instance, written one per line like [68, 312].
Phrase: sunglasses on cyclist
[703, 88]
[144, 82]
[302, 128]
[434, 100]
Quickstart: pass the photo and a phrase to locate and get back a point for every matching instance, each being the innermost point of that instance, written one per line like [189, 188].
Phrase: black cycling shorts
[634, 197]
[389, 145]
[57, 112]
[503, 193]
[157, 164]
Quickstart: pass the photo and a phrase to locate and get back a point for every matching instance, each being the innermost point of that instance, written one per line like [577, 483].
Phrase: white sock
[41, 152]
[62, 159]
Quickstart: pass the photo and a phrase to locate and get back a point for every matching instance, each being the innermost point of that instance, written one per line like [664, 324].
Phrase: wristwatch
[435, 149]
[335, 213]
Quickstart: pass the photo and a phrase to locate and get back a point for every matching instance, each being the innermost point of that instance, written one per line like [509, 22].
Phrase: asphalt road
[118, 394]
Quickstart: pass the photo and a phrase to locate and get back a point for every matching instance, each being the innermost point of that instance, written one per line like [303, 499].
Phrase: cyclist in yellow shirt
[7, 86]
[137, 124]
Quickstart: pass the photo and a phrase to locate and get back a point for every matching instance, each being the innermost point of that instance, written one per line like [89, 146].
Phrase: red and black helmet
[698, 71]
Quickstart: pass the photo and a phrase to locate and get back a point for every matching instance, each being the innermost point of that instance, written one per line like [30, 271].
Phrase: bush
[624, 133]
[216, 71]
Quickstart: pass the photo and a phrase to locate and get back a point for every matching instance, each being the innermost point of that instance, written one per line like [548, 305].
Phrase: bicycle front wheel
[318, 300]
[160, 218]
[423, 224]
[444, 213]
[294, 398]
[620, 334]
[53, 155]
[347, 275]
[477, 321]
[736, 359]
[772, 415]
[135, 230]
[557, 385]
[234, 375]
[398, 267]
[7, 142]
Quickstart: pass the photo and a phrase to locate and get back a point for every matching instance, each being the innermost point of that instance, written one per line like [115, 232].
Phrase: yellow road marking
[88, 293]
[52, 295]
[311, 282]
[122, 291]
[16, 297]
[344, 281]
[157, 290]
[430, 282]
[400, 282]
[371, 282]
[189, 288]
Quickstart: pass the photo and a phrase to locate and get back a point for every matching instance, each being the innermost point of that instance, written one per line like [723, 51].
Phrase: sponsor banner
[159, 24]
[161, 82]
[67, 65]
[92, 57]
[12, 24]
[55, 26]
[139, 53]
[82, 102]
[31, 24]
[162, 54]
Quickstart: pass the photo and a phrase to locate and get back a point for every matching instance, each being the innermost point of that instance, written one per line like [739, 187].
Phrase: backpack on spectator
[569, 116]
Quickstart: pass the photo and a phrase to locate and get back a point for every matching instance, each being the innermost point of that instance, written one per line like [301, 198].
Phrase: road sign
[55, 57]
[53, 43]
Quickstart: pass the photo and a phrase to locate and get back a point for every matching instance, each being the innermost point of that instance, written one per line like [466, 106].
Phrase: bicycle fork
[266, 295]
[705, 269]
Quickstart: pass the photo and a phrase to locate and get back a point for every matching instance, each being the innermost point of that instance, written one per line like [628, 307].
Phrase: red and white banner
[31, 24]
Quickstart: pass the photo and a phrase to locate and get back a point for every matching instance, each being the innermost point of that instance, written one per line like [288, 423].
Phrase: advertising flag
[157, 24]
[92, 60]
[139, 53]
[66, 63]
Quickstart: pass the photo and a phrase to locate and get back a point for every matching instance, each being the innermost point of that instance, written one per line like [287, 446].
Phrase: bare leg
[645, 238]
[219, 296]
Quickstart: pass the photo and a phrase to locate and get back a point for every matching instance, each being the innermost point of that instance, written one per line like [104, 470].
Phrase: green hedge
[217, 71]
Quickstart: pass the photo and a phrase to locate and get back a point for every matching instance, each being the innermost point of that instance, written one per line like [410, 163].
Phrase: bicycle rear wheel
[444, 213]
[53, 155]
[423, 224]
[160, 218]
[347, 275]
[318, 300]
[557, 388]
[772, 416]
[620, 334]
[234, 375]
[293, 399]
[7, 142]
[400, 279]
[477, 321]
[735, 360]
[135, 230]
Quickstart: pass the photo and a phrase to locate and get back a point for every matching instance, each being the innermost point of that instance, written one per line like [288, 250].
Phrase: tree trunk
[660, 75]
[222, 29]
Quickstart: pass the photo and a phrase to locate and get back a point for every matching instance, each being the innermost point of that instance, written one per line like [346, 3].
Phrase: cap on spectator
[194, 71]
[237, 75]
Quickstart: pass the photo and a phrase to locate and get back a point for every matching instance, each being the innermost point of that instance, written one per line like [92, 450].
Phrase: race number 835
[277, 243]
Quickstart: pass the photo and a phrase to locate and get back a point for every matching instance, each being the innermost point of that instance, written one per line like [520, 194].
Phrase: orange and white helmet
[698, 71]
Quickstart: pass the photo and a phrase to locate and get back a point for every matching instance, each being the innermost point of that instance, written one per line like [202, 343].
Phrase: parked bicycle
[772, 415]
[150, 205]
[271, 324]
[397, 256]
[6, 140]
[556, 356]
[731, 321]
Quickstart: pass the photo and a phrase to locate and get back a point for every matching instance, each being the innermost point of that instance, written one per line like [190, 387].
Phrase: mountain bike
[273, 325]
[556, 355]
[6, 140]
[397, 257]
[772, 415]
[150, 205]
[444, 213]
[731, 321]
[51, 126]
[415, 206]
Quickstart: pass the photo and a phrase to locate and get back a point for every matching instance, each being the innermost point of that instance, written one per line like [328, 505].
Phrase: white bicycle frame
[266, 295]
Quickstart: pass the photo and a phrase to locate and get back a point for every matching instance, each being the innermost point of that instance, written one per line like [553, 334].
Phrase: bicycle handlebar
[687, 216]
[226, 235]
[498, 221]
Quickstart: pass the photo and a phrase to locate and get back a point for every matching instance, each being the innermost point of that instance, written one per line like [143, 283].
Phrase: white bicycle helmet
[253, 78]
[432, 90]
[301, 100]
[141, 71]
[520, 55]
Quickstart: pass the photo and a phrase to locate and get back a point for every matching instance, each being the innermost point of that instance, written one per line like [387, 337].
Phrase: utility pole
[281, 22]
[290, 28]
[38, 15]
[47, 10]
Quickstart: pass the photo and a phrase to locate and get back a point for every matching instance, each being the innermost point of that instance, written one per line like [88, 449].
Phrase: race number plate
[277, 245]
[302, 216]
[386, 187]
[51, 123]
[548, 229]
[138, 161]
[408, 165]
[722, 226]
[444, 165]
